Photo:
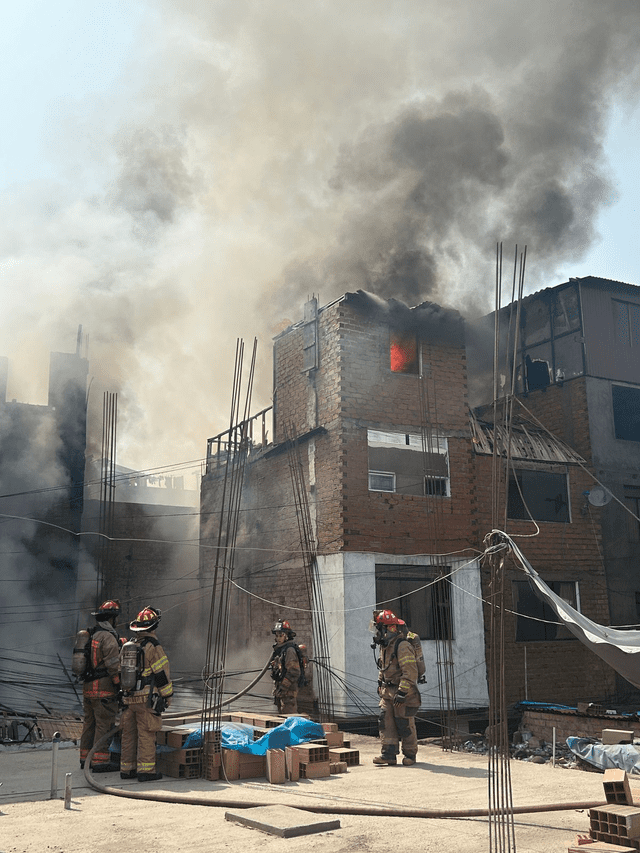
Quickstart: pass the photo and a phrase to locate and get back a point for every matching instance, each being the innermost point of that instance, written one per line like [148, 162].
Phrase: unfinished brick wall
[564, 669]
[330, 410]
[542, 723]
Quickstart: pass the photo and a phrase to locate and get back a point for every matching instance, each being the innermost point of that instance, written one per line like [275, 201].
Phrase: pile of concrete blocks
[614, 827]
[312, 760]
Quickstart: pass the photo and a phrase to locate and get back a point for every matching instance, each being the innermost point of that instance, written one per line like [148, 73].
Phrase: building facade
[370, 402]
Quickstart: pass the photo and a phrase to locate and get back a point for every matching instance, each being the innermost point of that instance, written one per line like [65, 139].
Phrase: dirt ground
[32, 822]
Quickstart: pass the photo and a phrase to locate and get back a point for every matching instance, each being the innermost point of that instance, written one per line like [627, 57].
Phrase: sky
[176, 175]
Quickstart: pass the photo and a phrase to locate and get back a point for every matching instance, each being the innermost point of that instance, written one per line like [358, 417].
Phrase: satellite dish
[599, 496]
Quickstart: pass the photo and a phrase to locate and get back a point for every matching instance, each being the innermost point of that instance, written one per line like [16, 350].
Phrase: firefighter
[101, 686]
[397, 689]
[144, 702]
[285, 669]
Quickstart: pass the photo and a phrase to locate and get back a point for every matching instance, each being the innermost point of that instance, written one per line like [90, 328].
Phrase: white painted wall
[348, 590]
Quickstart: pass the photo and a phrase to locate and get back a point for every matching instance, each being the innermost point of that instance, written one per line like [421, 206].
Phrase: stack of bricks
[314, 760]
[616, 824]
[179, 762]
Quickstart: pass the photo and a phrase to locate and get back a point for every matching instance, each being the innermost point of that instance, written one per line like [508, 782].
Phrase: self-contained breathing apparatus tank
[131, 663]
[80, 656]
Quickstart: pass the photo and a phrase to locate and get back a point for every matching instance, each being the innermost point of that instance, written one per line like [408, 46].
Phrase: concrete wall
[348, 591]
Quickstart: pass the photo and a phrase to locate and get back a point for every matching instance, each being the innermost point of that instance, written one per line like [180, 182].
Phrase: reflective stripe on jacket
[156, 664]
[399, 672]
[105, 656]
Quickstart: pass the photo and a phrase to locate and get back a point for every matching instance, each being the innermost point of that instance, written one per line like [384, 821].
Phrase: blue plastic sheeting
[239, 736]
[552, 707]
[620, 756]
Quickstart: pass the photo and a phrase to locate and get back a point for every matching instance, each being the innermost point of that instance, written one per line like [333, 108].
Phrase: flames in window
[403, 352]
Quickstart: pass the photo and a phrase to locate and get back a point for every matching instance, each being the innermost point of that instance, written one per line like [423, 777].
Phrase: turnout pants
[99, 717]
[286, 701]
[397, 725]
[139, 726]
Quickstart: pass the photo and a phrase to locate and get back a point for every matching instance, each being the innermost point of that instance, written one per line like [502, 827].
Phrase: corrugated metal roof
[527, 443]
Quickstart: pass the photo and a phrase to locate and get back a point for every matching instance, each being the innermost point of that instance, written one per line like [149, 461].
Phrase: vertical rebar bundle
[232, 481]
[309, 549]
[501, 823]
[441, 590]
[107, 494]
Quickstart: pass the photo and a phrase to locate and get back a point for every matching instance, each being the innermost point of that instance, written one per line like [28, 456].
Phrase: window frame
[618, 403]
[522, 499]
[427, 597]
[544, 619]
[437, 447]
[383, 474]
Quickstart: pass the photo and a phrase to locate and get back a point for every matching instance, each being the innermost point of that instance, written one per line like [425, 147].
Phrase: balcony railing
[245, 437]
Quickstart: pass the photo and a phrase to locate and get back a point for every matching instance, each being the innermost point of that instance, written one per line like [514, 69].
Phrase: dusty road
[31, 822]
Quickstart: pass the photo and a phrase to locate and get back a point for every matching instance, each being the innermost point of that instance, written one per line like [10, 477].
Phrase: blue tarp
[621, 756]
[239, 736]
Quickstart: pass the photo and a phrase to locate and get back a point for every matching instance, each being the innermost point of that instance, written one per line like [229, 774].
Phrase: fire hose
[177, 715]
[334, 808]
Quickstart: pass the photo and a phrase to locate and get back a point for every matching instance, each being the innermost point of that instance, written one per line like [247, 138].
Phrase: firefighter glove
[399, 698]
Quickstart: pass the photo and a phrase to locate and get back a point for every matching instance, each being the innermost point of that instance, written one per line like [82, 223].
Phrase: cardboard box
[611, 736]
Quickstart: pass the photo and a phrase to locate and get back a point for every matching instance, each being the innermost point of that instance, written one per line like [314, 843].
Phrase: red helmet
[283, 627]
[386, 617]
[146, 620]
[107, 608]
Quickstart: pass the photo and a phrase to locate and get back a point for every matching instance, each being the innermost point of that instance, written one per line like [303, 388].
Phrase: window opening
[382, 481]
[626, 318]
[426, 610]
[403, 352]
[626, 412]
[542, 624]
[541, 493]
[402, 455]
[632, 501]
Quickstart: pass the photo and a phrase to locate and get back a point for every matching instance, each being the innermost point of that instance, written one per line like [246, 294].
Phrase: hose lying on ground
[174, 715]
[334, 808]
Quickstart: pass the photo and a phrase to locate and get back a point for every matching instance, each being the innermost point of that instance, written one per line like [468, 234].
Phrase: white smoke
[252, 154]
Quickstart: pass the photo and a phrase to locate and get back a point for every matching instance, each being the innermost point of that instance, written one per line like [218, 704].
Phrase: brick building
[398, 492]
[577, 369]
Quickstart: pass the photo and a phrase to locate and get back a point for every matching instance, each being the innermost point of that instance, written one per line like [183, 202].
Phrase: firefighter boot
[149, 777]
[387, 758]
[408, 760]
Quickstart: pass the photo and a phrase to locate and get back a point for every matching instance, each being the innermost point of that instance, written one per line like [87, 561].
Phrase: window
[382, 481]
[425, 609]
[626, 320]
[632, 501]
[626, 412]
[538, 494]
[536, 620]
[419, 465]
[403, 352]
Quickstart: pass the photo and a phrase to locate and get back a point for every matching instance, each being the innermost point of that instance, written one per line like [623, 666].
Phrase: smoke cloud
[253, 154]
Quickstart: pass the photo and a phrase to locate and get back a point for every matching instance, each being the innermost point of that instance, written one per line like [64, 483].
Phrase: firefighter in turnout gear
[285, 669]
[397, 688]
[147, 692]
[101, 685]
